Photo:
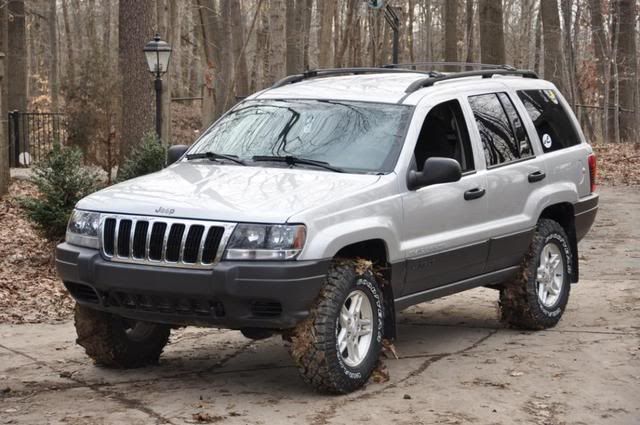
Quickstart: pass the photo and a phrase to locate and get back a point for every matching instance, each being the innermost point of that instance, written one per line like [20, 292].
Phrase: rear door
[513, 173]
[443, 234]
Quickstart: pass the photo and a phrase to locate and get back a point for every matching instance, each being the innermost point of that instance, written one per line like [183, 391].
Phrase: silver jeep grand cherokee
[321, 206]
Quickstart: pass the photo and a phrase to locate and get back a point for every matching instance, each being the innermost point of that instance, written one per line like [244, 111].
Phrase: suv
[321, 206]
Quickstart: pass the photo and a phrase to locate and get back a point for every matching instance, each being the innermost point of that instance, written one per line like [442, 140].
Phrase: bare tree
[277, 45]
[469, 30]
[54, 79]
[451, 32]
[627, 69]
[136, 24]
[241, 78]
[16, 56]
[491, 32]
[326, 12]
[551, 35]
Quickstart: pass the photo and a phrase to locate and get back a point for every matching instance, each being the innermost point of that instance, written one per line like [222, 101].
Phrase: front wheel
[538, 297]
[117, 342]
[337, 347]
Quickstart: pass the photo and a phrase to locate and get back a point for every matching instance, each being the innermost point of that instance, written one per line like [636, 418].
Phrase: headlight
[83, 229]
[265, 242]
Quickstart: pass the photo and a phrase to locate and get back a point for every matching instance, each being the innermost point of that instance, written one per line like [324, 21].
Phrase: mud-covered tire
[521, 305]
[116, 342]
[314, 343]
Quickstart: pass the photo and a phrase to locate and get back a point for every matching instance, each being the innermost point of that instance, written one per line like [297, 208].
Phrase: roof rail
[474, 65]
[331, 72]
[487, 73]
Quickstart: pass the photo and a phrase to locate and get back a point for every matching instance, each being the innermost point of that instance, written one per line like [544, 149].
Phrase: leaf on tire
[389, 346]
[380, 374]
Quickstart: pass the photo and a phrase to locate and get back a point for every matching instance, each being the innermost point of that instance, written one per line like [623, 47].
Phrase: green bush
[148, 157]
[62, 181]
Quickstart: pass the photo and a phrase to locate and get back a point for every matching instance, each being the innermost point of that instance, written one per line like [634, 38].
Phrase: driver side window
[444, 134]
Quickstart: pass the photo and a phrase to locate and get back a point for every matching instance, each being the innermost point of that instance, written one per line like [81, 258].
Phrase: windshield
[354, 136]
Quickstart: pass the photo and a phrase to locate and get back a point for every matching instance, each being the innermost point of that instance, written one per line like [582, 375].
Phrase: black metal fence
[32, 135]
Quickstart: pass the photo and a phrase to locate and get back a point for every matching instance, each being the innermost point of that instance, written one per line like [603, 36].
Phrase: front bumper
[235, 295]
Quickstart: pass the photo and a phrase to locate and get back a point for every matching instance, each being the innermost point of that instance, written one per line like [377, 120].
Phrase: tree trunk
[4, 140]
[491, 32]
[16, 57]
[469, 31]
[627, 70]
[569, 56]
[326, 13]
[241, 76]
[71, 66]
[164, 28]
[552, 42]
[306, 20]
[54, 79]
[278, 45]
[136, 23]
[294, 34]
[263, 42]
[451, 33]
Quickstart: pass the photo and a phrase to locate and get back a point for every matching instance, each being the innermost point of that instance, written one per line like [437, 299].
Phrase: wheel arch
[563, 213]
[376, 251]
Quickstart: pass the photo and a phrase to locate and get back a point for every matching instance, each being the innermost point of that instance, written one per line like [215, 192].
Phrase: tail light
[592, 171]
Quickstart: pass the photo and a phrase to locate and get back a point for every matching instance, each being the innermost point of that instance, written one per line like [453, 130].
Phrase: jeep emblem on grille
[167, 211]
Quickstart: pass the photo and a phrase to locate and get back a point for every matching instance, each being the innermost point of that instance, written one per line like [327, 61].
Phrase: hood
[206, 191]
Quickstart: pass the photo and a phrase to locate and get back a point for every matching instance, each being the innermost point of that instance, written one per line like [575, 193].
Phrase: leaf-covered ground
[30, 291]
[618, 164]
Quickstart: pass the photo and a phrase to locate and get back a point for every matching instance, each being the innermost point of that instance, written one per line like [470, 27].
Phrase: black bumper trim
[585, 214]
[231, 290]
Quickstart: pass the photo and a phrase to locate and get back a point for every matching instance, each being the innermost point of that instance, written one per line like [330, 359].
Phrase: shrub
[148, 157]
[62, 181]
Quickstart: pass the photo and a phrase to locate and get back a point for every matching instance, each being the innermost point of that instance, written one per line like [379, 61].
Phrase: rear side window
[552, 122]
[501, 132]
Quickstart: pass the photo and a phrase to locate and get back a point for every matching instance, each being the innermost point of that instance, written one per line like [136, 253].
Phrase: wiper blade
[293, 160]
[214, 156]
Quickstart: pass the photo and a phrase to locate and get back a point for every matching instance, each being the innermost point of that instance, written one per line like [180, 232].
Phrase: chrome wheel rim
[550, 275]
[355, 328]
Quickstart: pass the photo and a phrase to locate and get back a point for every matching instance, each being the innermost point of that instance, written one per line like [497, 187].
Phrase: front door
[443, 234]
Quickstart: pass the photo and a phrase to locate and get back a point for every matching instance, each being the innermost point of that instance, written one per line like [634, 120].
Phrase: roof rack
[487, 73]
[331, 72]
[475, 65]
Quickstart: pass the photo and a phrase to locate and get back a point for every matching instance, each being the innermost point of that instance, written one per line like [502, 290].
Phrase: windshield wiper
[293, 160]
[214, 156]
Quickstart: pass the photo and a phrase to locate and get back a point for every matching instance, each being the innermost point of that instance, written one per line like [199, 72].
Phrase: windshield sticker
[552, 96]
[546, 141]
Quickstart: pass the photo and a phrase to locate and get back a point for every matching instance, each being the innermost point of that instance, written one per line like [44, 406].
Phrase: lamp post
[158, 53]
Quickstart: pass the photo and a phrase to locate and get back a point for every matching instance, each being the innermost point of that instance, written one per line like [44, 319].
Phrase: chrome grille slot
[124, 236]
[140, 239]
[163, 241]
[108, 235]
[210, 243]
[173, 242]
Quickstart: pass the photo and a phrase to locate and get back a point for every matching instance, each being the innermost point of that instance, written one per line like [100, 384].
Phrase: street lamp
[158, 53]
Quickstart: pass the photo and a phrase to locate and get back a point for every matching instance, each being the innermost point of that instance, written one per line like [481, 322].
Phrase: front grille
[163, 241]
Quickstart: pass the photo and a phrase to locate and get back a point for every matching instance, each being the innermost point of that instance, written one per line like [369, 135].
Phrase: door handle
[536, 176]
[474, 193]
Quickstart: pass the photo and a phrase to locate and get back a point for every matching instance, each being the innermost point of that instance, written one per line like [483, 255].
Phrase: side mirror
[436, 170]
[175, 153]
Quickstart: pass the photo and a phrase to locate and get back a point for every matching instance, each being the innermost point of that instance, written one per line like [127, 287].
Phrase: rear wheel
[538, 297]
[114, 341]
[337, 347]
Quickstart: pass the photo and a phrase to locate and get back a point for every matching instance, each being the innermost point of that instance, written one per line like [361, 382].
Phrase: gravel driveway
[457, 363]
